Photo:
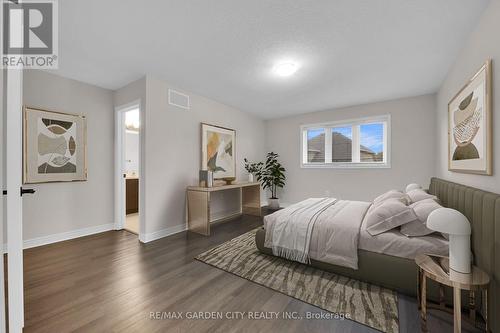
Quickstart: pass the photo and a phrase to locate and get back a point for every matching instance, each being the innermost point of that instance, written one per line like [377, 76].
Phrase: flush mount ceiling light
[285, 68]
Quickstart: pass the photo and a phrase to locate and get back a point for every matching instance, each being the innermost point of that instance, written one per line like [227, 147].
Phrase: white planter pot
[251, 178]
[273, 203]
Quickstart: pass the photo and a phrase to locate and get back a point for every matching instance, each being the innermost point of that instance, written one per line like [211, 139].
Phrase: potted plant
[272, 176]
[252, 169]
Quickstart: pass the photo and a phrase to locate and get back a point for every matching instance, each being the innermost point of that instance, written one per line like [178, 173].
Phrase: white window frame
[355, 124]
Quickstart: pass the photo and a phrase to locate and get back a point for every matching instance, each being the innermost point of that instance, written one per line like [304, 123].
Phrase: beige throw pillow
[415, 229]
[422, 209]
[419, 195]
[392, 194]
[388, 215]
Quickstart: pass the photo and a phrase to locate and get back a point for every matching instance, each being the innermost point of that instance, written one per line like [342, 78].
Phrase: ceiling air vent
[178, 99]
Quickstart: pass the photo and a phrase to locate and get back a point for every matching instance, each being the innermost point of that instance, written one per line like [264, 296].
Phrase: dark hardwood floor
[110, 282]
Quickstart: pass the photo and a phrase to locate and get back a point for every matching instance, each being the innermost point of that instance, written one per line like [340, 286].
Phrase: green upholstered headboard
[483, 211]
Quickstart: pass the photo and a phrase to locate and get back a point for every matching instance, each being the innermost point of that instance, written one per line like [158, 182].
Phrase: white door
[2, 186]
[12, 191]
[13, 207]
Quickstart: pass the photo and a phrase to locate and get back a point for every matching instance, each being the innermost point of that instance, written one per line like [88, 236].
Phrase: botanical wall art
[469, 125]
[54, 146]
[218, 151]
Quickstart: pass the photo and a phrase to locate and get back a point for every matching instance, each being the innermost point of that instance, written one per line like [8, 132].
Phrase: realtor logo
[30, 34]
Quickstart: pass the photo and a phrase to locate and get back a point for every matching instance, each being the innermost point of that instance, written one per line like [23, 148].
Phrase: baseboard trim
[63, 236]
[152, 236]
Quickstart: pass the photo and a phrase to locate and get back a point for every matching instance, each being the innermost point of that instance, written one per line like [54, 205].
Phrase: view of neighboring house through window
[353, 143]
[316, 150]
[341, 144]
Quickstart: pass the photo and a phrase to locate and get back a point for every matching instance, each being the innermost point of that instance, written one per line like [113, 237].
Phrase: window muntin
[353, 143]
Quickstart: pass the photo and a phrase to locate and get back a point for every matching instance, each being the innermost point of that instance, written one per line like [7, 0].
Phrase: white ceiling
[350, 52]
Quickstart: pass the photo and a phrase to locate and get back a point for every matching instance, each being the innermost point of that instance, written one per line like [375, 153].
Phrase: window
[316, 144]
[341, 144]
[354, 143]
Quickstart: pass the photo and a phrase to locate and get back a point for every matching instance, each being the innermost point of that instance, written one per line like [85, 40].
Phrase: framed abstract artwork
[469, 126]
[218, 151]
[54, 147]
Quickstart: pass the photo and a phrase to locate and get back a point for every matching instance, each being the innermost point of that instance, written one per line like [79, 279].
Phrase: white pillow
[390, 214]
[412, 186]
[415, 229]
[418, 195]
[422, 209]
[392, 194]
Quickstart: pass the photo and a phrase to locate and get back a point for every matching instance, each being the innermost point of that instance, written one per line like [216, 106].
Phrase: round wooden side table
[436, 268]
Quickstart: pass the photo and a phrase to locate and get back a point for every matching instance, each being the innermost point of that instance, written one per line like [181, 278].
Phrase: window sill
[345, 165]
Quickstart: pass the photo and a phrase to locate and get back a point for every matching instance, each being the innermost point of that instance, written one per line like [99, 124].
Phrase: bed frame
[483, 211]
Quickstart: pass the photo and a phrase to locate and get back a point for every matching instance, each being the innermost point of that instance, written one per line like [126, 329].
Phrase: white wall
[63, 207]
[413, 141]
[173, 151]
[482, 44]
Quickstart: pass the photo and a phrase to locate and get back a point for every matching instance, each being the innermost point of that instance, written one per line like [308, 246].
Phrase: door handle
[27, 191]
[23, 191]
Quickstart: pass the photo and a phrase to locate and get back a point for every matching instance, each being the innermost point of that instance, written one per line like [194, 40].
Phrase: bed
[399, 273]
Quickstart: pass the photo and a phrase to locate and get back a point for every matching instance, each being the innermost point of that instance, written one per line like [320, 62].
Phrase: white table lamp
[457, 226]
[411, 187]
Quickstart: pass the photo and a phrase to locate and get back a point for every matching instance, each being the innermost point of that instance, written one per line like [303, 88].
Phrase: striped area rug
[365, 303]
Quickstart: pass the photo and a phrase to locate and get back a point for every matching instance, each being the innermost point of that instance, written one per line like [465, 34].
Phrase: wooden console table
[198, 204]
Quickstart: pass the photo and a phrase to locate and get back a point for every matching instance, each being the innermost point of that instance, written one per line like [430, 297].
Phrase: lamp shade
[457, 226]
[412, 186]
[449, 221]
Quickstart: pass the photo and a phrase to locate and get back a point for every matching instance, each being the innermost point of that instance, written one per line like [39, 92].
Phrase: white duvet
[323, 229]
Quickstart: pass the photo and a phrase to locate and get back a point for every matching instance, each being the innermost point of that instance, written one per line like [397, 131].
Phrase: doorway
[127, 169]
[131, 172]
